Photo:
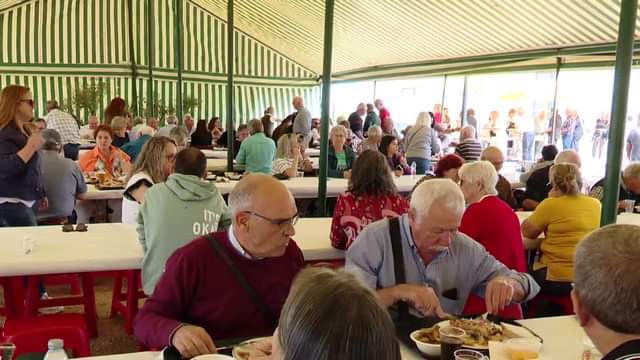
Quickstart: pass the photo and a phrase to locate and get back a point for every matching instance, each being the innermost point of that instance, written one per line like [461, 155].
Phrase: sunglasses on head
[28, 101]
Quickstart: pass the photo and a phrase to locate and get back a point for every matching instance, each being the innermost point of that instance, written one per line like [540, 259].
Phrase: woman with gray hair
[372, 142]
[421, 143]
[341, 157]
[310, 328]
[491, 222]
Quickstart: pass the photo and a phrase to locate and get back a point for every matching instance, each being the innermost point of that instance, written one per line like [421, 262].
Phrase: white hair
[423, 119]
[146, 130]
[338, 128]
[443, 192]
[632, 171]
[171, 119]
[568, 156]
[374, 130]
[480, 172]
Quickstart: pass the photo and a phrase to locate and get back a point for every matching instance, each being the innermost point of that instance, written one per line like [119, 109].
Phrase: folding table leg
[133, 286]
[88, 294]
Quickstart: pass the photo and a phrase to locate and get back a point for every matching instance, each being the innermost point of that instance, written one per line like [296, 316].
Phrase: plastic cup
[466, 354]
[629, 205]
[451, 339]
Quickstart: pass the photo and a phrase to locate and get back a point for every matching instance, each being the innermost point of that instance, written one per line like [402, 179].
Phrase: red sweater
[492, 223]
[198, 289]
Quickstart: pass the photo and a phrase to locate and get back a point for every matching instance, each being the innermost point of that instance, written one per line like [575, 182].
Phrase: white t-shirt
[130, 207]
[281, 165]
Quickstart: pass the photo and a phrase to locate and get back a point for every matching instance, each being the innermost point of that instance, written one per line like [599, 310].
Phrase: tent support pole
[444, 91]
[132, 56]
[150, 59]
[555, 101]
[230, 70]
[178, 48]
[624, 57]
[326, 104]
[463, 115]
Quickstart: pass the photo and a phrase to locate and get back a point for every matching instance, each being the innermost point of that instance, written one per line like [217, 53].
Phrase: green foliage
[189, 104]
[91, 97]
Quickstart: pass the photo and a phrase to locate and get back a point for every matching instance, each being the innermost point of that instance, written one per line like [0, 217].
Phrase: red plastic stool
[31, 335]
[87, 299]
[13, 296]
[126, 303]
[71, 279]
[563, 301]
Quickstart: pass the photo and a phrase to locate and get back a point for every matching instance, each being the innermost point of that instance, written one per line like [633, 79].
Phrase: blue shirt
[465, 266]
[257, 153]
[134, 148]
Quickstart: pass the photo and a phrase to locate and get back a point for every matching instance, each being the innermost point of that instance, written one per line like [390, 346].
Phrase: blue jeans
[17, 215]
[527, 145]
[422, 165]
[567, 142]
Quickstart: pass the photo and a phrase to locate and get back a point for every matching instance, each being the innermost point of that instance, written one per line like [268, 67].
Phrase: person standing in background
[633, 144]
[554, 128]
[383, 113]
[371, 119]
[20, 183]
[421, 143]
[472, 121]
[600, 135]
[301, 122]
[356, 120]
[67, 126]
[527, 127]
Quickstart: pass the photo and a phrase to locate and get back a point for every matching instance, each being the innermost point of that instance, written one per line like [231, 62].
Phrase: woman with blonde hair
[333, 315]
[154, 164]
[20, 186]
[289, 158]
[120, 136]
[566, 217]
[421, 143]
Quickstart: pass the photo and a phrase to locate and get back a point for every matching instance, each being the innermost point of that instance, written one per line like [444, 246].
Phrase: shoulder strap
[268, 317]
[398, 261]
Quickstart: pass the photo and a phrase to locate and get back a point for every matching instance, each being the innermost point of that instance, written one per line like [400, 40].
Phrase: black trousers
[71, 151]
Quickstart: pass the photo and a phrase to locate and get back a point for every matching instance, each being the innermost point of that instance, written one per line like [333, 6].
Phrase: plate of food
[233, 176]
[478, 333]
[110, 184]
[247, 348]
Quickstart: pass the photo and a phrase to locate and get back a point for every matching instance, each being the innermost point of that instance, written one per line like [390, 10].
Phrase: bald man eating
[227, 284]
[495, 156]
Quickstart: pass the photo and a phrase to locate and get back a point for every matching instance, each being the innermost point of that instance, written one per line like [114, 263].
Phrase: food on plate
[479, 332]
[253, 347]
[111, 183]
[429, 335]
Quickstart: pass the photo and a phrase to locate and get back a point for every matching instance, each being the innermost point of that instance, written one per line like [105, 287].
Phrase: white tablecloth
[563, 339]
[108, 247]
[95, 194]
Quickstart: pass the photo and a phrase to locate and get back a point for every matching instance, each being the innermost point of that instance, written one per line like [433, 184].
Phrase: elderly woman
[372, 142]
[154, 164]
[310, 328]
[421, 143]
[565, 217]
[289, 158]
[372, 195]
[105, 157]
[341, 157]
[120, 136]
[390, 150]
[180, 136]
[491, 222]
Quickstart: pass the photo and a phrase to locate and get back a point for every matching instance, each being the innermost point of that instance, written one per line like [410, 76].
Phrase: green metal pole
[555, 101]
[463, 117]
[624, 57]
[150, 57]
[326, 103]
[132, 55]
[444, 91]
[230, 70]
[178, 45]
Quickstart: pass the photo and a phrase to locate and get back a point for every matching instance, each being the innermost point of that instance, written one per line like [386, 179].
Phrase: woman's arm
[530, 230]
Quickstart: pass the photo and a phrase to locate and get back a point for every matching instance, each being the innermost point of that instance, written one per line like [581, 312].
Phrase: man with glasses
[227, 284]
[421, 259]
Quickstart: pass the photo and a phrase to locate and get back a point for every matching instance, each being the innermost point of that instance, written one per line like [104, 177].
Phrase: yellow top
[566, 221]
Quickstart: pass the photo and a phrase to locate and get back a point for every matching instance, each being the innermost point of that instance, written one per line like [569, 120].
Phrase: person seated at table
[605, 290]
[565, 218]
[629, 186]
[549, 153]
[86, 131]
[258, 151]
[395, 160]
[120, 135]
[62, 180]
[372, 142]
[341, 157]
[202, 211]
[289, 158]
[469, 147]
[421, 143]
[307, 328]
[371, 196]
[491, 222]
[133, 148]
[446, 168]
[351, 140]
[241, 135]
[442, 266]
[495, 156]
[105, 157]
[153, 166]
[285, 127]
[199, 299]
[538, 184]
[180, 136]
[202, 138]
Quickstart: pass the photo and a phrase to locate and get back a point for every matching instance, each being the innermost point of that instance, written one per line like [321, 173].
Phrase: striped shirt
[627, 351]
[65, 125]
[469, 150]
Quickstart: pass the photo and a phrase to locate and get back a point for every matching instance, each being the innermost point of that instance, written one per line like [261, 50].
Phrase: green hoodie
[172, 214]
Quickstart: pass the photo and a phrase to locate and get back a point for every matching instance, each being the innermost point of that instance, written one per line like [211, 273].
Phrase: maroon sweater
[198, 289]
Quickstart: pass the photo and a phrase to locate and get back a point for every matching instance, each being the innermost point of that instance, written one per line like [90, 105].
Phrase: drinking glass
[451, 339]
[465, 354]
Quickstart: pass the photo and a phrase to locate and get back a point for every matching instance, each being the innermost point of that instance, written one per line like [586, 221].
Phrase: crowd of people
[229, 269]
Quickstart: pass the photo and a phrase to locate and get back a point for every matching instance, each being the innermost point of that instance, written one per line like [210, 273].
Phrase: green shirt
[342, 160]
[257, 153]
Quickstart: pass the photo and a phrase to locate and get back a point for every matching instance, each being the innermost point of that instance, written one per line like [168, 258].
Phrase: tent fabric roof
[371, 33]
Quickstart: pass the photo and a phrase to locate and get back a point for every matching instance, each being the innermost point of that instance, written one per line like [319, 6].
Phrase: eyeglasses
[28, 101]
[278, 222]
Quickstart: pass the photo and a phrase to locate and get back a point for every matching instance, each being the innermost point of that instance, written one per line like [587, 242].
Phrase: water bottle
[413, 170]
[56, 350]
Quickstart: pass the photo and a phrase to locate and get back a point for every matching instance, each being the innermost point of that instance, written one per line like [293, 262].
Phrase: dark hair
[201, 127]
[117, 107]
[52, 139]
[549, 152]
[385, 142]
[106, 128]
[448, 162]
[371, 176]
[191, 161]
[267, 125]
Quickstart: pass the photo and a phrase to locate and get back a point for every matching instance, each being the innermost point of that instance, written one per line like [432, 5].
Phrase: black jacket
[333, 171]
[17, 179]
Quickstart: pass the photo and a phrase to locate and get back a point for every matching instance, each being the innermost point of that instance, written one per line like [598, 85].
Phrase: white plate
[516, 330]
[246, 346]
[213, 357]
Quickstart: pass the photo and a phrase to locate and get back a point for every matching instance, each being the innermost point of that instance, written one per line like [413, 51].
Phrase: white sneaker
[51, 310]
